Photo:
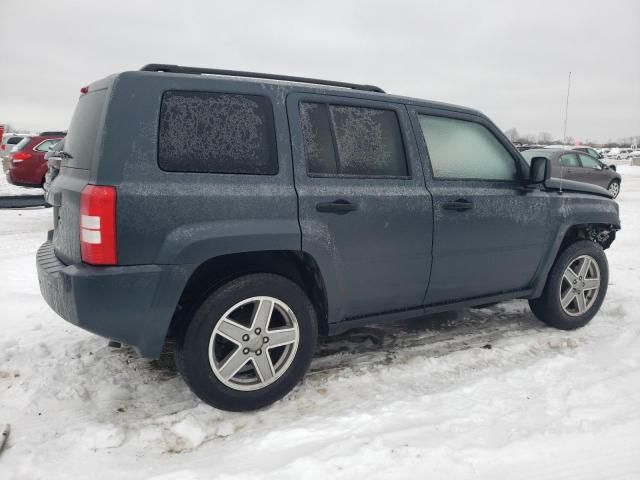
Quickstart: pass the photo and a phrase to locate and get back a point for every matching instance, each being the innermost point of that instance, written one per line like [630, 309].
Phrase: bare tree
[545, 138]
[512, 134]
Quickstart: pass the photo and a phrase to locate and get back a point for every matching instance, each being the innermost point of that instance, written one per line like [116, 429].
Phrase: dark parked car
[242, 217]
[26, 164]
[524, 148]
[579, 166]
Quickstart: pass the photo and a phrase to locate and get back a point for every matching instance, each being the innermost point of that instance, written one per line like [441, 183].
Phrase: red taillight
[3, 147]
[98, 225]
[84, 90]
[20, 157]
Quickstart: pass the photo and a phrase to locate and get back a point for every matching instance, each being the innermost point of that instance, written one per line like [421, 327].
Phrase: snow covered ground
[423, 399]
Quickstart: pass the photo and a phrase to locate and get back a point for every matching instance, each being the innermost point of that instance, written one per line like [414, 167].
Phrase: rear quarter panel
[187, 218]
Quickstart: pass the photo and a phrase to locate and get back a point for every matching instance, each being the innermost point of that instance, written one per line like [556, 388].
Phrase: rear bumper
[130, 304]
[18, 183]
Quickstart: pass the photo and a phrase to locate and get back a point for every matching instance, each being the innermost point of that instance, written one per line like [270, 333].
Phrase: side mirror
[611, 167]
[539, 171]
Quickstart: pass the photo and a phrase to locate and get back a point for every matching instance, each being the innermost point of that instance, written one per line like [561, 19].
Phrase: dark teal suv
[242, 214]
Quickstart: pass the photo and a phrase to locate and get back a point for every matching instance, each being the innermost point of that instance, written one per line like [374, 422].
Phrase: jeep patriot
[243, 214]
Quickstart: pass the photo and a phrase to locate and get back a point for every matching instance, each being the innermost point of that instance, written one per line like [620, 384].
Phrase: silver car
[9, 140]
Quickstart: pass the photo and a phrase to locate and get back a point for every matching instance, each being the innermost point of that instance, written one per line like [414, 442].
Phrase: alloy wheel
[253, 343]
[580, 285]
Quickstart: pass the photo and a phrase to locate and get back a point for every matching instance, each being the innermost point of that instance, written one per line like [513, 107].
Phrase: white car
[9, 140]
[624, 154]
[612, 153]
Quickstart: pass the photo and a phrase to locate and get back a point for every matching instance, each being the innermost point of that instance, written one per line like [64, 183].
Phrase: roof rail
[161, 67]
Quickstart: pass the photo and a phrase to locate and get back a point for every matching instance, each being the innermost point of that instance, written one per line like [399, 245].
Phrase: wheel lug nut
[265, 339]
[257, 330]
[245, 351]
[245, 338]
[575, 281]
[258, 352]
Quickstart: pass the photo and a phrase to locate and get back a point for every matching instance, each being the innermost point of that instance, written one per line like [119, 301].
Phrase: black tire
[192, 345]
[611, 183]
[548, 307]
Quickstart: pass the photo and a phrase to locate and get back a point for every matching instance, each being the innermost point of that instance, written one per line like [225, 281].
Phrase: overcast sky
[509, 59]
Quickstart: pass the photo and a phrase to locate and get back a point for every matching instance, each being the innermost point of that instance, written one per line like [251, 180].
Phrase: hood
[573, 186]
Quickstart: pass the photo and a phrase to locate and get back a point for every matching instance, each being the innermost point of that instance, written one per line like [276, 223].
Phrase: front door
[364, 211]
[592, 171]
[489, 233]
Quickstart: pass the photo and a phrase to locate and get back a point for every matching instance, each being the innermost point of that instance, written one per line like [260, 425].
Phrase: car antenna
[564, 133]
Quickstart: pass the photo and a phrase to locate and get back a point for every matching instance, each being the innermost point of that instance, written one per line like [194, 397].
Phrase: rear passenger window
[46, 145]
[569, 160]
[347, 140]
[216, 133]
[318, 144]
[460, 149]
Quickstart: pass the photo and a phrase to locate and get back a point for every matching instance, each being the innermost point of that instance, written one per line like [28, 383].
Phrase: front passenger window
[459, 149]
[588, 161]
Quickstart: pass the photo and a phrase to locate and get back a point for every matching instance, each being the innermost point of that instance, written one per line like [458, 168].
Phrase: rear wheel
[614, 188]
[249, 343]
[576, 287]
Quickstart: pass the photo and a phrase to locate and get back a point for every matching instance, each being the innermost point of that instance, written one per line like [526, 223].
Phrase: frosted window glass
[461, 149]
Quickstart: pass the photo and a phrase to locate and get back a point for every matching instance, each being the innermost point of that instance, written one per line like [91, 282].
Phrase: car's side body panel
[475, 250]
[374, 266]
[377, 257]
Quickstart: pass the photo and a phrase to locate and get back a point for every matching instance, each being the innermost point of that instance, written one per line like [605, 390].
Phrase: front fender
[574, 210]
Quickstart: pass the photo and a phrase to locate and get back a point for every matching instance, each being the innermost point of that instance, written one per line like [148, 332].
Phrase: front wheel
[576, 287]
[614, 188]
[249, 343]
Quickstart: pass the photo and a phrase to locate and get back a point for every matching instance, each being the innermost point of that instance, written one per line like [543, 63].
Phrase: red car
[26, 166]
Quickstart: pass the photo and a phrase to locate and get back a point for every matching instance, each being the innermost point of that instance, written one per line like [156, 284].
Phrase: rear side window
[47, 145]
[318, 143]
[14, 140]
[569, 160]
[216, 133]
[459, 149]
[347, 140]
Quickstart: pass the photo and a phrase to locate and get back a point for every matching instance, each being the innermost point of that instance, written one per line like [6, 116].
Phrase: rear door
[570, 166]
[489, 233]
[364, 211]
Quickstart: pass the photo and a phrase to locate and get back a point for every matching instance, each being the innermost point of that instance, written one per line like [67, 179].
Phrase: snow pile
[495, 394]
